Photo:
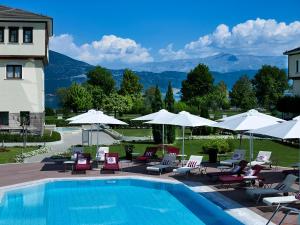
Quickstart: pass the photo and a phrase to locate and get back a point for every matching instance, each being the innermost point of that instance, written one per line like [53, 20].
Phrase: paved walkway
[67, 140]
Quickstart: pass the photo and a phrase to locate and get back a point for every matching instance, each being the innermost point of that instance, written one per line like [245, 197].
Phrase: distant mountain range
[222, 63]
[63, 70]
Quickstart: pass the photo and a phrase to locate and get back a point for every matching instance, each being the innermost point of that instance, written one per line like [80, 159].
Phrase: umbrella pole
[241, 136]
[97, 137]
[182, 157]
[250, 147]
[163, 138]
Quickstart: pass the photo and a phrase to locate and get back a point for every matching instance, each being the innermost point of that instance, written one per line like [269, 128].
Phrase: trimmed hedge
[58, 122]
[6, 137]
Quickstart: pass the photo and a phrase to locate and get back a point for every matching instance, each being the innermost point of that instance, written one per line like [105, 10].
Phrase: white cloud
[257, 37]
[110, 49]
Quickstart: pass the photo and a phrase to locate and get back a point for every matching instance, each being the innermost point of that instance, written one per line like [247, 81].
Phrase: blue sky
[130, 32]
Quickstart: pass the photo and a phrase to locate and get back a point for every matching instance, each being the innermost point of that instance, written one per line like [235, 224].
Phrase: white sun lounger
[284, 187]
[167, 162]
[281, 202]
[100, 154]
[263, 158]
[237, 156]
[193, 163]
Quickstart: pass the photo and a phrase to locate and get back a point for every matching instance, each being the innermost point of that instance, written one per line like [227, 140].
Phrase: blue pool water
[109, 202]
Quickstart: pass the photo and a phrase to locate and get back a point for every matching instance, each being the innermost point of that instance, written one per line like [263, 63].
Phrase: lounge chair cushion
[236, 156]
[157, 168]
[81, 161]
[192, 163]
[111, 160]
[182, 170]
[230, 179]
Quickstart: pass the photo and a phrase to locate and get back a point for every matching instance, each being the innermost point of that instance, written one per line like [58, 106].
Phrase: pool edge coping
[236, 210]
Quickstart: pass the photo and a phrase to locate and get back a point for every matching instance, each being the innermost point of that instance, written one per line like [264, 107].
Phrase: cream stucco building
[294, 68]
[24, 38]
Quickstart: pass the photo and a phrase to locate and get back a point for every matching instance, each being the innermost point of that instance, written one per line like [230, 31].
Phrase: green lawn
[143, 132]
[7, 155]
[146, 132]
[285, 155]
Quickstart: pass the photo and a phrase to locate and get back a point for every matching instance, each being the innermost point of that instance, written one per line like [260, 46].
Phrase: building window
[1, 34]
[24, 118]
[297, 66]
[4, 118]
[13, 34]
[27, 34]
[14, 72]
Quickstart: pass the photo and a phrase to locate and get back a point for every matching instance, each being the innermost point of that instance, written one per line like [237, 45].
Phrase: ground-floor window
[4, 118]
[24, 118]
[14, 72]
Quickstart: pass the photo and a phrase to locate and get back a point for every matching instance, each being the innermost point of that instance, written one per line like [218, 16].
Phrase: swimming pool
[67, 129]
[107, 202]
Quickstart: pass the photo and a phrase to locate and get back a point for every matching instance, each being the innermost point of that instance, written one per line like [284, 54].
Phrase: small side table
[69, 163]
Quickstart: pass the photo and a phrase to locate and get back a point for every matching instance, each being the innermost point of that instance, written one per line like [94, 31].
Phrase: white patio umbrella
[248, 121]
[97, 117]
[285, 130]
[161, 115]
[81, 115]
[184, 119]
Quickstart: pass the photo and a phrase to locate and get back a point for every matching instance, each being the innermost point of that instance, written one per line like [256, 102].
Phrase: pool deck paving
[233, 199]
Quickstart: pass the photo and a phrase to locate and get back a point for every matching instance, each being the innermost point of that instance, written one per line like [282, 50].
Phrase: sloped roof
[293, 51]
[12, 14]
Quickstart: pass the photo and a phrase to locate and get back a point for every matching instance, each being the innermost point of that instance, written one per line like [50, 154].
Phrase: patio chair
[148, 154]
[83, 162]
[263, 158]
[251, 175]
[236, 170]
[236, 157]
[172, 150]
[192, 164]
[75, 150]
[284, 187]
[111, 162]
[167, 162]
[100, 154]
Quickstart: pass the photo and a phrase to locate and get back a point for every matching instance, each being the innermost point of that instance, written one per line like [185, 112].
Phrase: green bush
[58, 122]
[6, 137]
[222, 145]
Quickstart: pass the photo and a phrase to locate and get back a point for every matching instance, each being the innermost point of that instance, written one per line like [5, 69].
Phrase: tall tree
[148, 99]
[169, 105]
[157, 104]
[102, 78]
[130, 84]
[242, 94]
[97, 94]
[270, 82]
[199, 82]
[117, 103]
[76, 98]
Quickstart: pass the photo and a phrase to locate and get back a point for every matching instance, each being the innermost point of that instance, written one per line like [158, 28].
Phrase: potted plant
[215, 146]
